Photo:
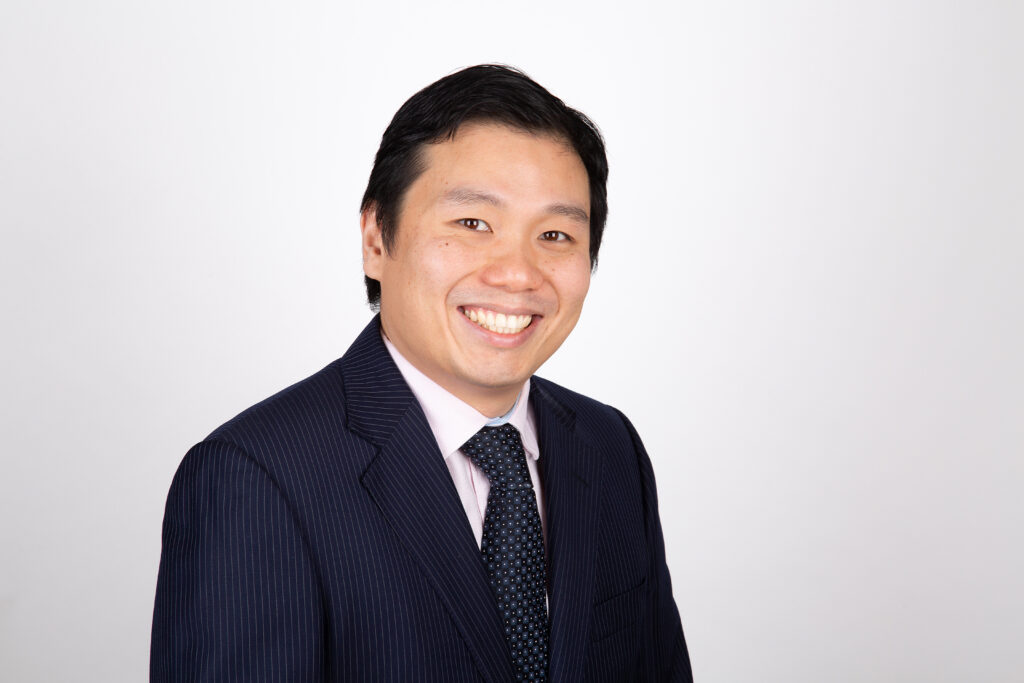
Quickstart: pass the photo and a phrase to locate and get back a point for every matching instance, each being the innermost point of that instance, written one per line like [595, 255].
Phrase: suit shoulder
[306, 405]
[591, 415]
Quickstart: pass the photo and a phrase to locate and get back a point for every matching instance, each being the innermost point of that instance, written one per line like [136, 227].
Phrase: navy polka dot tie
[513, 547]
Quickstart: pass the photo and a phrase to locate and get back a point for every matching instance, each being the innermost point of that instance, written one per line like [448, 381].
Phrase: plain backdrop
[810, 299]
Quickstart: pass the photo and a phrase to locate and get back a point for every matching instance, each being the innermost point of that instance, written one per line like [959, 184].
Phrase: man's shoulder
[317, 405]
[589, 415]
[306, 405]
[568, 399]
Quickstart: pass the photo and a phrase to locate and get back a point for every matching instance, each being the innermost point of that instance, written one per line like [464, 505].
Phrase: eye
[474, 224]
[555, 236]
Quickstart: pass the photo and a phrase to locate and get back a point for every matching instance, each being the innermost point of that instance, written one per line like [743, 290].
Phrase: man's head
[488, 92]
[487, 197]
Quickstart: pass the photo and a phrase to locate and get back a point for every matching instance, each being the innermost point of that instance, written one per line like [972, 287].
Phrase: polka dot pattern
[513, 547]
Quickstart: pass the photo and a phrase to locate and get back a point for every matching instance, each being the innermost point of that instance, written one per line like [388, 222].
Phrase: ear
[373, 244]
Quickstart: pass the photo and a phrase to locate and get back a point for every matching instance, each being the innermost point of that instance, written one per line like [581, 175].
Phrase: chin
[496, 380]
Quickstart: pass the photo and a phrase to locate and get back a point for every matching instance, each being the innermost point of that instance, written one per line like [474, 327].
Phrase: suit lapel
[413, 489]
[571, 480]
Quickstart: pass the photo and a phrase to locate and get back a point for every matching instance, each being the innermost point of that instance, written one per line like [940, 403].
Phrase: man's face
[491, 262]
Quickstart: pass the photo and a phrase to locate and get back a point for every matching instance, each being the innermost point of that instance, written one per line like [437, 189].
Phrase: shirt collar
[452, 420]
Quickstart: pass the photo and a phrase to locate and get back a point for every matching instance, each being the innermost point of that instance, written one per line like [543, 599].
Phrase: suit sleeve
[667, 658]
[237, 596]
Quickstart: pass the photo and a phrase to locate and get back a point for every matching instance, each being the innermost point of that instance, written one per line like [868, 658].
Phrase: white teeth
[498, 322]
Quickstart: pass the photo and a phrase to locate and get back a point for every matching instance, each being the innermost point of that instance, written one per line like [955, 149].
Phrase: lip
[504, 341]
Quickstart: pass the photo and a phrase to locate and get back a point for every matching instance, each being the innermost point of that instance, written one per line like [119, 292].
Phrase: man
[424, 508]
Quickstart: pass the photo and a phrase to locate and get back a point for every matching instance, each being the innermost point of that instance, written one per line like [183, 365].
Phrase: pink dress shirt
[453, 421]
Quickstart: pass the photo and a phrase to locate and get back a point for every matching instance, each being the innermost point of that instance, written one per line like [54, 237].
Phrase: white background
[810, 299]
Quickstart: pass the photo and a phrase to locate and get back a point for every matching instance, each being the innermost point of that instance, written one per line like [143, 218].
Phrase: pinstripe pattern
[318, 537]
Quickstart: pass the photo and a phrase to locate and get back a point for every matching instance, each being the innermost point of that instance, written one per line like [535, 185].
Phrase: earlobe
[373, 244]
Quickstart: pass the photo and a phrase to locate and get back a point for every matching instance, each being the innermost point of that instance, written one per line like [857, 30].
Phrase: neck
[490, 401]
[491, 405]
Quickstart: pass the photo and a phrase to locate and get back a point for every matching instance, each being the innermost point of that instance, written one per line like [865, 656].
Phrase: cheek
[439, 266]
[572, 280]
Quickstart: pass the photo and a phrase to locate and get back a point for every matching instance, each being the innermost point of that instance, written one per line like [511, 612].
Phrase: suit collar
[571, 468]
[376, 395]
[413, 489]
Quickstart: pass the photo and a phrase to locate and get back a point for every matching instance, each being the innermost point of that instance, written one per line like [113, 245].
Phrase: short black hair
[487, 92]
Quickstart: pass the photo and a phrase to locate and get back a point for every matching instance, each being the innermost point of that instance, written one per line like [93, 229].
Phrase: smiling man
[487, 273]
[425, 508]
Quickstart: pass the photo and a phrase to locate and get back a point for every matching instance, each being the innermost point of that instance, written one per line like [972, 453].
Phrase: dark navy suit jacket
[318, 537]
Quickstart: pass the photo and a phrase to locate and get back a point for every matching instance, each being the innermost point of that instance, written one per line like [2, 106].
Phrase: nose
[514, 265]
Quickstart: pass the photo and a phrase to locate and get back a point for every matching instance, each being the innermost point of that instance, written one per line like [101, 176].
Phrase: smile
[497, 322]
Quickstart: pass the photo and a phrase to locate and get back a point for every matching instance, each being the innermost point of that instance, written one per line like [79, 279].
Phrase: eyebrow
[465, 195]
[570, 211]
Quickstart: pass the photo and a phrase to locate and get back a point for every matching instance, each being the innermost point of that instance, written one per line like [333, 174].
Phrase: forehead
[519, 165]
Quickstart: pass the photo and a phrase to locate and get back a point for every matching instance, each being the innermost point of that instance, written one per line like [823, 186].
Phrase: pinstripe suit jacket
[318, 537]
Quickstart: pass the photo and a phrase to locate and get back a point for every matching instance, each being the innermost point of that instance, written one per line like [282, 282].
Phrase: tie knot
[498, 451]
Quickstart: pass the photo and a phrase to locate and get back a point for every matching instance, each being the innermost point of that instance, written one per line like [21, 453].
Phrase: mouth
[500, 323]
